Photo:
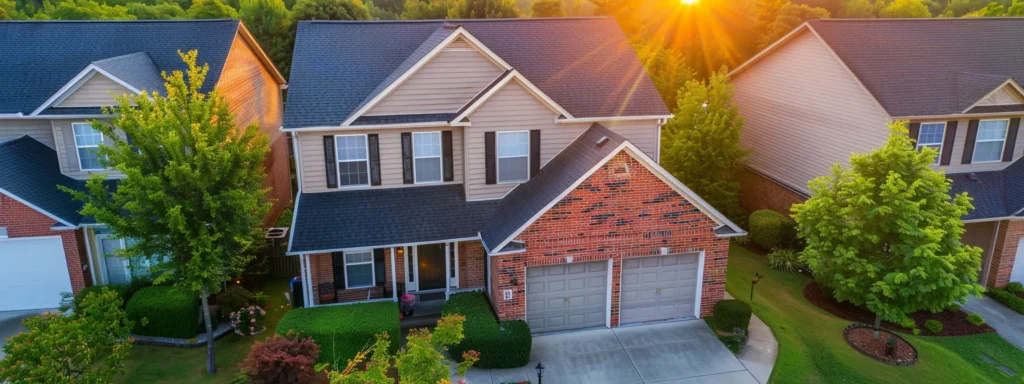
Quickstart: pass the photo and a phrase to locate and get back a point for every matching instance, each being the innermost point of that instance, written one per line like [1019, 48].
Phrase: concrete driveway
[10, 325]
[685, 352]
[1007, 322]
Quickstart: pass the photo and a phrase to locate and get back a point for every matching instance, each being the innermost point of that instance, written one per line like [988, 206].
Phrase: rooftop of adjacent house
[43, 56]
[995, 194]
[586, 65]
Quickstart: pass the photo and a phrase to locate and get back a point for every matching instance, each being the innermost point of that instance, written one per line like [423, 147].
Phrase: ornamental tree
[884, 233]
[192, 187]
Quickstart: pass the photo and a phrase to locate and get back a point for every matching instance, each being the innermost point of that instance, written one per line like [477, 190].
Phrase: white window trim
[440, 158]
[1002, 151]
[373, 272]
[78, 146]
[942, 141]
[337, 165]
[498, 157]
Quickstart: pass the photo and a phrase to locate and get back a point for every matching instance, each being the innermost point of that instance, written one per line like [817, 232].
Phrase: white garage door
[33, 273]
[566, 296]
[1017, 274]
[658, 288]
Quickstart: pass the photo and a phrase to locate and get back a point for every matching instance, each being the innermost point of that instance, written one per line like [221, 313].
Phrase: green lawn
[812, 349]
[150, 364]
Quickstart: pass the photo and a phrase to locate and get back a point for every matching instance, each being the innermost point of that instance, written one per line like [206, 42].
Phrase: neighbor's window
[353, 162]
[359, 269]
[990, 141]
[87, 141]
[426, 151]
[513, 156]
[931, 136]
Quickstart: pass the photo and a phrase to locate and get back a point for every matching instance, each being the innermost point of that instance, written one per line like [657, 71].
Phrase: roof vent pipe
[602, 140]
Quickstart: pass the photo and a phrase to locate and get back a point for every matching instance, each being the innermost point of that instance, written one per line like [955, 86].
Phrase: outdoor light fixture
[400, 251]
[540, 373]
[514, 281]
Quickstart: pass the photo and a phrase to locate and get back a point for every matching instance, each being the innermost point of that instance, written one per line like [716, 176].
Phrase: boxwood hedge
[341, 331]
[169, 312]
[731, 314]
[771, 230]
[1007, 298]
[504, 344]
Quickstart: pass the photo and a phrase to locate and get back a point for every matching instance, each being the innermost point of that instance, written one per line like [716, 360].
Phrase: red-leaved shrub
[281, 359]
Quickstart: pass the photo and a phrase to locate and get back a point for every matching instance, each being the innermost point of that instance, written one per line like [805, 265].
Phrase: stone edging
[221, 330]
[882, 359]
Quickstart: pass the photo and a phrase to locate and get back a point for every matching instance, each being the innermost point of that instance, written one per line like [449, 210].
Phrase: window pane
[89, 159]
[513, 169]
[358, 257]
[360, 275]
[988, 151]
[931, 134]
[513, 144]
[426, 144]
[351, 147]
[353, 173]
[992, 130]
[85, 135]
[428, 170]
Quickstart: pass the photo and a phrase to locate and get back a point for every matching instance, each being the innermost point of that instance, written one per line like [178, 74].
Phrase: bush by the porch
[168, 311]
[341, 331]
[94, 289]
[731, 314]
[771, 230]
[503, 344]
[1008, 299]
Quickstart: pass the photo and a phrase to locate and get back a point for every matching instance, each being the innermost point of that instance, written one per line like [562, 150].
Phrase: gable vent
[602, 140]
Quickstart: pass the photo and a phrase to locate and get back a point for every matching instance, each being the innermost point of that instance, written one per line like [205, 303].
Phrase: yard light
[753, 282]
[540, 373]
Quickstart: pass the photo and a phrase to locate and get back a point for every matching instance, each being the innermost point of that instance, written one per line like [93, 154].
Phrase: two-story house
[516, 157]
[827, 90]
[57, 75]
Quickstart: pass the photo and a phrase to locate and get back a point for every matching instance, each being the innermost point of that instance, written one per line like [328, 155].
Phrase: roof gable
[93, 90]
[509, 82]
[1006, 94]
[31, 176]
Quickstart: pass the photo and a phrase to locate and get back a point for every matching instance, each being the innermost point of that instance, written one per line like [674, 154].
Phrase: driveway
[10, 325]
[685, 352]
[1007, 322]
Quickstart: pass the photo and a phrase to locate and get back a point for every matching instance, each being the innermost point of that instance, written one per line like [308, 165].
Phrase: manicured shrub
[134, 286]
[933, 326]
[953, 307]
[281, 359]
[1008, 299]
[231, 299]
[785, 261]
[168, 312]
[98, 289]
[341, 331]
[975, 319]
[730, 314]
[771, 230]
[504, 344]
[1015, 287]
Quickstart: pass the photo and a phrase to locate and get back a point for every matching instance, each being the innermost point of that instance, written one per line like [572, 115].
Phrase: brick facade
[23, 221]
[1005, 251]
[622, 211]
[760, 192]
[472, 263]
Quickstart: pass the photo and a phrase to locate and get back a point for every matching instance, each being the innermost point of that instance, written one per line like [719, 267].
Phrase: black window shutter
[534, 152]
[947, 143]
[915, 132]
[490, 159]
[1011, 139]
[338, 260]
[331, 162]
[374, 149]
[407, 158]
[446, 156]
[972, 135]
[378, 266]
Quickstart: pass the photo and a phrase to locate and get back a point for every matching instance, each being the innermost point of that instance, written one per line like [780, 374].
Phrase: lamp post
[540, 373]
[753, 282]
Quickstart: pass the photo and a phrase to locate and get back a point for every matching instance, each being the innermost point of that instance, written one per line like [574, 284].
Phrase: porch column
[394, 277]
[447, 269]
[302, 275]
[88, 253]
[307, 281]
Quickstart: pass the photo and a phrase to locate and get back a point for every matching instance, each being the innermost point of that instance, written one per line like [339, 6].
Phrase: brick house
[827, 89]
[63, 74]
[438, 157]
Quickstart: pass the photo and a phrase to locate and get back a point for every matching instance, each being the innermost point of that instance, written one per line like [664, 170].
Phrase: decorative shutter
[407, 176]
[374, 149]
[534, 152]
[972, 135]
[947, 143]
[1011, 139]
[490, 161]
[379, 267]
[338, 261]
[331, 161]
[915, 132]
[446, 156]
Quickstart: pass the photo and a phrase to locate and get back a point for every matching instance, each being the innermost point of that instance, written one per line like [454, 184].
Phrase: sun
[689, 2]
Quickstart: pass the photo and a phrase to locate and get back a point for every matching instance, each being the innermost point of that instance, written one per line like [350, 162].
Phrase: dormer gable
[98, 83]
[1006, 94]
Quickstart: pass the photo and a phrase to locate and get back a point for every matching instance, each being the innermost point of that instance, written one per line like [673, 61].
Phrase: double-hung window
[991, 139]
[426, 151]
[359, 269]
[353, 161]
[513, 156]
[87, 141]
[931, 136]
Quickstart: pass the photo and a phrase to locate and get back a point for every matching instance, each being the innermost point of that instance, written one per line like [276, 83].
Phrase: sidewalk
[759, 355]
[1007, 322]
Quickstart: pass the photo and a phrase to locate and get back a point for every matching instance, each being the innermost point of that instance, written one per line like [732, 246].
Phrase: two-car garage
[572, 296]
[33, 273]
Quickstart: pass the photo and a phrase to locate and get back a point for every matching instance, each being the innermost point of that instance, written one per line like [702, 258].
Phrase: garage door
[658, 288]
[33, 273]
[566, 296]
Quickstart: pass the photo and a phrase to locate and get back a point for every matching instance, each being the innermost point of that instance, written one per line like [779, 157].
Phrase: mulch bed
[953, 323]
[862, 338]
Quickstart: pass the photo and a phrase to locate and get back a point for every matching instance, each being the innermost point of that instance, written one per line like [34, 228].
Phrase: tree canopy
[547, 8]
[777, 22]
[211, 9]
[329, 10]
[484, 9]
[905, 9]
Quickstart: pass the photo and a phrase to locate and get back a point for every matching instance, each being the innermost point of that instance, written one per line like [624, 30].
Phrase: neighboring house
[518, 157]
[57, 75]
[827, 90]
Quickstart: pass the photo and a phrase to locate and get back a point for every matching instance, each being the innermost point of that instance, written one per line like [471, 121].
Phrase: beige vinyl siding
[960, 141]
[97, 91]
[444, 84]
[314, 172]
[804, 112]
[67, 153]
[37, 129]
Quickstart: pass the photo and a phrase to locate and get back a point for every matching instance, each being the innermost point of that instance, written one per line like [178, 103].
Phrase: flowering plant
[244, 320]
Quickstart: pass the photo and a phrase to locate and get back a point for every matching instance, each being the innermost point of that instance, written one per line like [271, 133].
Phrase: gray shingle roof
[136, 69]
[32, 173]
[586, 65]
[398, 119]
[995, 194]
[39, 57]
[916, 67]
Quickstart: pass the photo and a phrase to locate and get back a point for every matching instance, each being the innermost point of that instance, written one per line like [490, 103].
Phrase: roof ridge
[922, 19]
[18, 140]
[180, 21]
[507, 19]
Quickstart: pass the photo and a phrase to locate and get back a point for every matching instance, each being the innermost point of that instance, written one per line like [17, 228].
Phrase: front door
[115, 268]
[430, 266]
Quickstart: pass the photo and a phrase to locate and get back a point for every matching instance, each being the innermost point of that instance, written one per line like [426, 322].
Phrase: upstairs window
[426, 151]
[931, 136]
[87, 141]
[513, 156]
[359, 269]
[990, 142]
[353, 161]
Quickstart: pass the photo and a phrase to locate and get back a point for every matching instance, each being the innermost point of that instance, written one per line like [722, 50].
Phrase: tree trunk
[878, 325]
[211, 366]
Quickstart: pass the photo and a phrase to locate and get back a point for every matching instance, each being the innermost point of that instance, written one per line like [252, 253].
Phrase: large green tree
[993, 9]
[82, 10]
[161, 11]
[784, 19]
[884, 233]
[268, 22]
[192, 184]
[211, 9]
[329, 10]
[906, 9]
[547, 8]
[484, 9]
[860, 9]
[700, 146]
[426, 9]
[666, 67]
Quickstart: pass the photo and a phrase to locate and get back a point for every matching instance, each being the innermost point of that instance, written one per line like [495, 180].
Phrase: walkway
[761, 350]
[1007, 322]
